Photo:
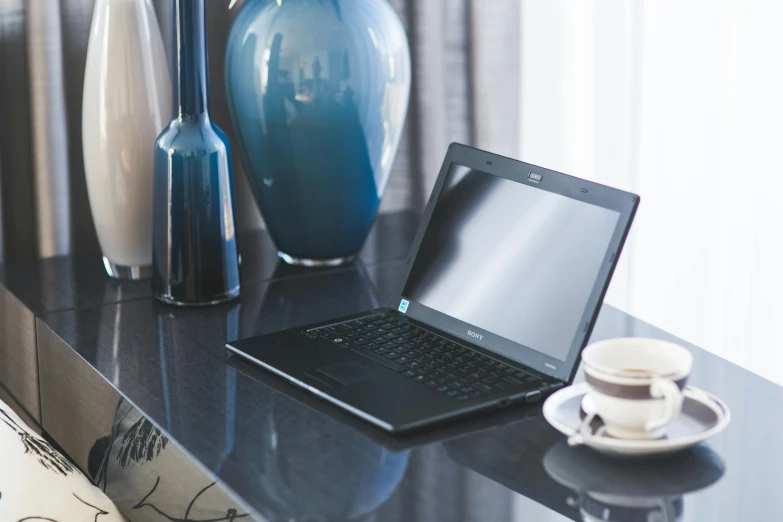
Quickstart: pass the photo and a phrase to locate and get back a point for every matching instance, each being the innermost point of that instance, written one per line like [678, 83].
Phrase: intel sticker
[403, 306]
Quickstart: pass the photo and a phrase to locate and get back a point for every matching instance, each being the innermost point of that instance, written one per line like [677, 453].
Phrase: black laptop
[505, 280]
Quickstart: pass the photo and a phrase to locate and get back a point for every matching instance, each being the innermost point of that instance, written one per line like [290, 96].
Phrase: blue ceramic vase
[318, 91]
[195, 259]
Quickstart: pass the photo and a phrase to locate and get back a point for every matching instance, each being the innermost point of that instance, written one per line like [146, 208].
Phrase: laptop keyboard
[425, 357]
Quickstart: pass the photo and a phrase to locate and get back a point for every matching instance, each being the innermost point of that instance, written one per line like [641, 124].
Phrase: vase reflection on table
[318, 92]
[195, 258]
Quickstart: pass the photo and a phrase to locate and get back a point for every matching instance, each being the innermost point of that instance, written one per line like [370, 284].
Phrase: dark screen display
[511, 259]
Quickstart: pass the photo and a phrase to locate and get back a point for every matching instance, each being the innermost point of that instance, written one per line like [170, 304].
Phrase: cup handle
[672, 396]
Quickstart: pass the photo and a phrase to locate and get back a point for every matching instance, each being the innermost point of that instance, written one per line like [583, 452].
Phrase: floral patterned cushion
[38, 484]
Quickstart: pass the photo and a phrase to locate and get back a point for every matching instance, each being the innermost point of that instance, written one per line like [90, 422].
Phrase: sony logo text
[475, 335]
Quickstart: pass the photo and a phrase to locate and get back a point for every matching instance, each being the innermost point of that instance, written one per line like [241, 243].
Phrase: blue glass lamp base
[169, 300]
[315, 263]
[133, 273]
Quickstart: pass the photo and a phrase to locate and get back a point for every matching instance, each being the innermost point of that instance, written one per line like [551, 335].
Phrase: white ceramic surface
[562, 411]
[627, 365]
[127, 103]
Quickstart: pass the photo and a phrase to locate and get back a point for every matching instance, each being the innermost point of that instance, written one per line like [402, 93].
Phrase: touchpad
[348, 372]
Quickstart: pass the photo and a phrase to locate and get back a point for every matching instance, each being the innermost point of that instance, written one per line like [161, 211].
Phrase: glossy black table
[145, 399]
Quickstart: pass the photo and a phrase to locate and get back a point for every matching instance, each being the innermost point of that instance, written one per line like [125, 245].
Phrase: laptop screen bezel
[625, 203]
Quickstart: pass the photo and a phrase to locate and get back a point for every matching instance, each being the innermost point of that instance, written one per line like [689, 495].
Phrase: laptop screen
[512, 259]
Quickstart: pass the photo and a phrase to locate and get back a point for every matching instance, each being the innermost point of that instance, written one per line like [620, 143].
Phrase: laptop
[504, 283]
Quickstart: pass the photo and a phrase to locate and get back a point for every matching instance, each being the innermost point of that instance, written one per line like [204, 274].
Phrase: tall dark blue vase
[194, 242]
[318, 91]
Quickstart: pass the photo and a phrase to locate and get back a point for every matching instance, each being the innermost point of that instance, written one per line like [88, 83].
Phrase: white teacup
[636, 384]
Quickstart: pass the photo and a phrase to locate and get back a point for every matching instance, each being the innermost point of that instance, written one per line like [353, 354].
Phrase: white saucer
[703, 415]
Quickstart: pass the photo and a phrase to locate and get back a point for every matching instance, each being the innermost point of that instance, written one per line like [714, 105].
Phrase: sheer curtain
[681, 103]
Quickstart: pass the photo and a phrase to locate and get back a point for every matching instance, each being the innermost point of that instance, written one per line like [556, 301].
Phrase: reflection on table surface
[291, 456]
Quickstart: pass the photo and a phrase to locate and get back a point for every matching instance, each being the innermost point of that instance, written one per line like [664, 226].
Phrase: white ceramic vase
[127, 103]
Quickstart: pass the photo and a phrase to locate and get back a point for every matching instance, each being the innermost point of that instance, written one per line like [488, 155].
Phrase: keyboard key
[475, 393]
[462, 397]
[482, 387]
[412, 364]
[452, 393]
[466, 389]
[402, 349]
[350, 344]
[420, 378]
[443, 388]
[403, 359]
[408, 373]
[431, 384]
[338, 340]
[390, 344]
[392, 355]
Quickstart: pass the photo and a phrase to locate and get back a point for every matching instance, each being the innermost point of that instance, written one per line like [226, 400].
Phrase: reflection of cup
[609, 490]
[636, 384]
